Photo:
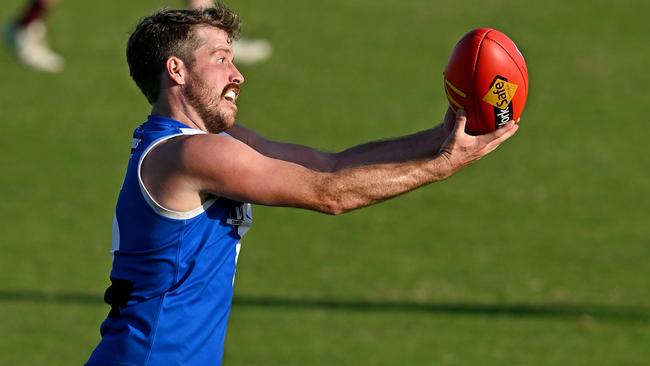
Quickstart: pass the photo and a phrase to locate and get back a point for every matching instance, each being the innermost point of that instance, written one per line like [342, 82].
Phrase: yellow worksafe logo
[501, 93]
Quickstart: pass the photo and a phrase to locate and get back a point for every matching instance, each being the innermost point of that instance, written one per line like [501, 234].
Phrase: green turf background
[537, 255]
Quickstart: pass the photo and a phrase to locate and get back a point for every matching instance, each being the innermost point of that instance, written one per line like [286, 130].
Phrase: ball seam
[475, 105]
[524, 77]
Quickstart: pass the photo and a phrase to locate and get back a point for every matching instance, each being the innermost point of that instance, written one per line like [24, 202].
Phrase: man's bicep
[303, 155]
[226, 167]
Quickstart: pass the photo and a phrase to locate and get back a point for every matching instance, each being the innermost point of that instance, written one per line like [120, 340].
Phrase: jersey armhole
[153, 204]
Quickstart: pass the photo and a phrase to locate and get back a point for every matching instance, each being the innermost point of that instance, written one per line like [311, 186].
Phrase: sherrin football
[487, 77]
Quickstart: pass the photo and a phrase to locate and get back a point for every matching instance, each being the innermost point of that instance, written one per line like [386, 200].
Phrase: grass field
[536, 255]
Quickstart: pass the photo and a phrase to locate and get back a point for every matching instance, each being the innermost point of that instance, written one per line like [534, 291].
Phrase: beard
[206, 103]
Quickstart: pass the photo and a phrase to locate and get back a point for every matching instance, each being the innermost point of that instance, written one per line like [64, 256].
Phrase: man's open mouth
[231, 94]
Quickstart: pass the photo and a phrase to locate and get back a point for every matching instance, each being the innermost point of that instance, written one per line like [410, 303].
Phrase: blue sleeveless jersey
[173, 272]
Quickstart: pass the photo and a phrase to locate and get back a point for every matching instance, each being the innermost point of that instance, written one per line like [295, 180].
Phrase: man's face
[213, 85]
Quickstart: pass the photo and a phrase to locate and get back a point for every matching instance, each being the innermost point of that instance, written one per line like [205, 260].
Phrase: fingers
[499, 136]
[461, 121]
[506, 129]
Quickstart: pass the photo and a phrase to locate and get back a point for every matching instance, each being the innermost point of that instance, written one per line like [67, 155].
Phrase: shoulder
[202, 146]
[191, 150]
[190, 164]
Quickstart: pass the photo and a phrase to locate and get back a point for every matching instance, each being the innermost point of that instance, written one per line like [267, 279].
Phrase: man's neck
[180, 112]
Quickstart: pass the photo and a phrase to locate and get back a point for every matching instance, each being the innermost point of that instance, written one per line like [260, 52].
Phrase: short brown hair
[169, 33]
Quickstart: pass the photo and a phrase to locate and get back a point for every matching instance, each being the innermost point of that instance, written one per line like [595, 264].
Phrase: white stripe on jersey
[158, 208]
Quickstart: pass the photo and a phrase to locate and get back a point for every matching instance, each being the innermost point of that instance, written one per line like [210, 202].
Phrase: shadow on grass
[515, 310]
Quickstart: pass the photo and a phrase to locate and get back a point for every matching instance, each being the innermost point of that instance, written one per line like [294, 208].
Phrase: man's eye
[222, 60]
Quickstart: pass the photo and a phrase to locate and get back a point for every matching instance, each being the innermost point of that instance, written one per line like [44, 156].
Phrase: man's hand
[446, 128]
[461, 149]
[449, 122]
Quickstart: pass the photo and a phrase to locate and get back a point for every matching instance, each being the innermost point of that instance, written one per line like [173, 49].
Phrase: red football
[487, 76]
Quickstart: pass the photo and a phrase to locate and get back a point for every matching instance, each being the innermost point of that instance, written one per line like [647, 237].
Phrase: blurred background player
[248, 51]
[27, 37]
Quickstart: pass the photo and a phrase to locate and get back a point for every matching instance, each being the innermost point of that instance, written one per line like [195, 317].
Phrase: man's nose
[236, 77]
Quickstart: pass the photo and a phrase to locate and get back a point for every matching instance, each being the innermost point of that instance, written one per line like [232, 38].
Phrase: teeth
[230, 95]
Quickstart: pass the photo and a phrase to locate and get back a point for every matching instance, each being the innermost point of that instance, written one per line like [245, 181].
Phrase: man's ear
[176, 70]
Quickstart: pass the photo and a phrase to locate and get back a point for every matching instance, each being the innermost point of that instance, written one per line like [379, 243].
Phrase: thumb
[461, 120]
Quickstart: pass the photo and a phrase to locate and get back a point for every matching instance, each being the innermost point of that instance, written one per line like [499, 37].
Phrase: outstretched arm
[412, 147]
[186, 165]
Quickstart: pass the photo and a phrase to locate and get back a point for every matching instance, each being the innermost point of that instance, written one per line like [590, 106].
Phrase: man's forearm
[364, 185]
[420, 145]
[361, 186]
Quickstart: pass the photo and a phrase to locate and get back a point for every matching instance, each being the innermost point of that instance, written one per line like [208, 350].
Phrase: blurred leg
[250, 51]
[33, 12]
[247, 51]
[199, 3]
[27, 36]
